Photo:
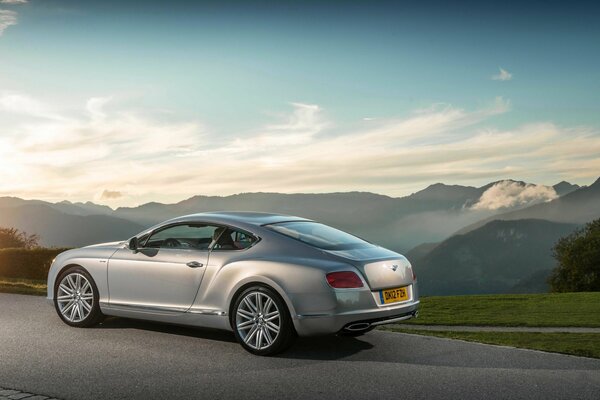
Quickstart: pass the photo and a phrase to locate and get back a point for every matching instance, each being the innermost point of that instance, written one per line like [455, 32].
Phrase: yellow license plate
[394, 295]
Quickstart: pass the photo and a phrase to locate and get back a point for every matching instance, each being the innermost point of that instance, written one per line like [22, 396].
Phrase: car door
[164, 273]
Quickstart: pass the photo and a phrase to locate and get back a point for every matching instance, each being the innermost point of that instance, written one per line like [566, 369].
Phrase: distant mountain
[58, 229]
[562, 188]
[499, 257]
[87, 208]
[429, 215]
[579, 206]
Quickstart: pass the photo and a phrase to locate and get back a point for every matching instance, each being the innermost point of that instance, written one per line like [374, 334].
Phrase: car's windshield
[319, 235]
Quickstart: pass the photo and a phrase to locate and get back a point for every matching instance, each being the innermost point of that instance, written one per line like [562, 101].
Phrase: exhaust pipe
[359, 326]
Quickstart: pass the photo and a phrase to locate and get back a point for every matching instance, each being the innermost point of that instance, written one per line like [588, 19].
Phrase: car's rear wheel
[261, 321]
[76, 298]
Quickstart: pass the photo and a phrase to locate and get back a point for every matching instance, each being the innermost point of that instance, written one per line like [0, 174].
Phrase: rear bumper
[308, 325]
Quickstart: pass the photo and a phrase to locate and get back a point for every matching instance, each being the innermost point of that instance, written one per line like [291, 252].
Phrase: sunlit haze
[102, 101]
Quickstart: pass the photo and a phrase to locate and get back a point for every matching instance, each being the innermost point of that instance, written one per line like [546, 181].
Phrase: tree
[14, 238]
[578, 257]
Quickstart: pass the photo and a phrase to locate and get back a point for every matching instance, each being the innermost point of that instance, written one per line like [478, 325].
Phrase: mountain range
[431, 226]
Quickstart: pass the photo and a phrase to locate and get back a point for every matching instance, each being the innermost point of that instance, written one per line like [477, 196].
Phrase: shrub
[27, 263]
[14, 238]
[578, 258]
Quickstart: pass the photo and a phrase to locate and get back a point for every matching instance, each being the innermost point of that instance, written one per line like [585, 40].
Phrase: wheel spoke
[259, 337]
[251, 306]
[267, 305]
[259, 302]
[86, 306]
[245, 314]
[65, 289]
[63, 298]
[73, 311]
[246, 324]
[71, 283]
[273, 327]
[272, 317]
[251, 334]
[267, 336]
[85, 287]
[67, 307]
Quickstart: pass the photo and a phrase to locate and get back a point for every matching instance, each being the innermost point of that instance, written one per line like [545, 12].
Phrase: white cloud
[7, 18]
[503, 75]
[55, 154]
[13, 1]
[510, 194]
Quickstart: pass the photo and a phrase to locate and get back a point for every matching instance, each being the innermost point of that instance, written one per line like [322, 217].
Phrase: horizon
[541, 196]
[161, 102]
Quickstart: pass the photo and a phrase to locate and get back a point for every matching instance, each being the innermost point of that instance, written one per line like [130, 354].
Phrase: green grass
[553, 309]
[577, 344]
[23, 286]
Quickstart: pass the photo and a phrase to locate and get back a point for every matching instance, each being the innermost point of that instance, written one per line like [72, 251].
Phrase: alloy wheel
[258, 320]
[75, 297]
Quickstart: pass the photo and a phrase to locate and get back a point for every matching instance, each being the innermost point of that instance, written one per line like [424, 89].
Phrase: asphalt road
[131, 359]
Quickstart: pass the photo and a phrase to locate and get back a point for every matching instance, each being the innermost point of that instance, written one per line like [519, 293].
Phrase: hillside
[58, 229]
[499, 257]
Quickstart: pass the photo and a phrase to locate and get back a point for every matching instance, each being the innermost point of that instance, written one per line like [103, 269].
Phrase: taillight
[344, 280]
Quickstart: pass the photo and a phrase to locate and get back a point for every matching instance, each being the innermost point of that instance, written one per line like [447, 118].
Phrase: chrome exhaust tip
[359, 326]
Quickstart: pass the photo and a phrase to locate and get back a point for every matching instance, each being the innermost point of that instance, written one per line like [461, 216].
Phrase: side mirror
[133, 243]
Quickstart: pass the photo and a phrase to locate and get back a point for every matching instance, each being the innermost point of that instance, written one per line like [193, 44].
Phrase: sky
[126, 102]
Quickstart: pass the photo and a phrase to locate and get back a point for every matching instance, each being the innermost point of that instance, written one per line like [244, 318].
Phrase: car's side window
[231, 239]
[183, 236]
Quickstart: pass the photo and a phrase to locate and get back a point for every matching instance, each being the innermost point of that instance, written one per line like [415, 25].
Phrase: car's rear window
[319, 235]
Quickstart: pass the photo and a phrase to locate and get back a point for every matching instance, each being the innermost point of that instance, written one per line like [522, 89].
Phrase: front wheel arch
[59, 274]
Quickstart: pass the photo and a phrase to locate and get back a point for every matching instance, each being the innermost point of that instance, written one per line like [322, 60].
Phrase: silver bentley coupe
[266, 277]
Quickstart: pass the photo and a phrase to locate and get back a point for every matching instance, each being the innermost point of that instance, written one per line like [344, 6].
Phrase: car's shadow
[314, 348]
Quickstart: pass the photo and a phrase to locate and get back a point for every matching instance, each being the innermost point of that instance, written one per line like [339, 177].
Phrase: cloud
[110, 195]
[13, 1]
[68, 153]
[511, 194]
[503, 75]
[7, 18]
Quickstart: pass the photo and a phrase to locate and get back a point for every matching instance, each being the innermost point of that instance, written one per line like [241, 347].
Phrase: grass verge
[23, 286]
[552, 309]
[577, 344]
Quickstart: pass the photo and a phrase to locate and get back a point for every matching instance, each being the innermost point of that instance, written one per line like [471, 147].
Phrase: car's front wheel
[76, 298]
[261, 321]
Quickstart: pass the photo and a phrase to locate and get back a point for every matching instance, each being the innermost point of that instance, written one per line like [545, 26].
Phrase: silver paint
[159, 285]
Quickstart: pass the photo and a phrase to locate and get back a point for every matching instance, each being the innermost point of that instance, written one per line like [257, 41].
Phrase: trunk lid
[382, 268]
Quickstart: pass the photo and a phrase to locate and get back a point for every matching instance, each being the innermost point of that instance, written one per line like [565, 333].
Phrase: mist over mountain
[578, 206]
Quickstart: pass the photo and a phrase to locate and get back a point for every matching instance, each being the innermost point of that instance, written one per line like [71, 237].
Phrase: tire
[261, 321]
[355, 333]
[76, 298]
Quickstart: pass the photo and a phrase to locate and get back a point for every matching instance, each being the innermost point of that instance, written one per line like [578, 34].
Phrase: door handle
[194, 264]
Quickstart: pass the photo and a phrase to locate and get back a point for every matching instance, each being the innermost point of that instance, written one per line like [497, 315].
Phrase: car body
[192, 269]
